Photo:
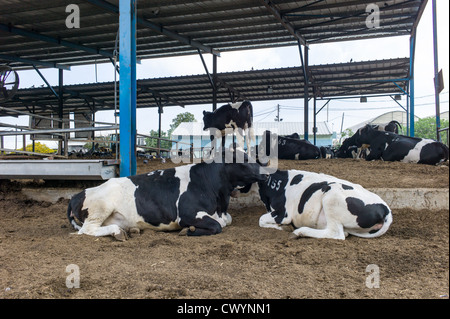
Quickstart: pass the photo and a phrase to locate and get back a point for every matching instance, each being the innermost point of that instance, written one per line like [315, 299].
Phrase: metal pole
[214, 82]
[60, 107]
[412, 41]
[436, 73]
[306, 95]
[127, 87]
[315, 122]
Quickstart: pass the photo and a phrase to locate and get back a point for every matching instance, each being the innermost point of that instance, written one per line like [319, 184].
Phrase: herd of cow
[194, 198]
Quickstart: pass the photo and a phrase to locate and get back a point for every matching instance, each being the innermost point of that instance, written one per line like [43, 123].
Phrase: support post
[60, 108]
[436, 73]
[412, 44]
[214, 82]
[315, 122]
[306, 95]
[127, 87]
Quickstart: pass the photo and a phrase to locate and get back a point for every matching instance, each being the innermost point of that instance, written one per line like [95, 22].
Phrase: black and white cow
[350, 149]
[237, 116]
[321, 206]
[289, 148]
[393, 147]
[327, 152]
[193, 197]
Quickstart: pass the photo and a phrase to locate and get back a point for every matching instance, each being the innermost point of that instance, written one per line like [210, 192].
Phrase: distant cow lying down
[193, 197]
[321, 206]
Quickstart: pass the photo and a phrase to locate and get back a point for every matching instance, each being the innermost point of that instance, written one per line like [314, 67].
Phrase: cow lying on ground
[393, 147]
[237, 116]
[350, 149]
[321, 206]
[194, 197]
[327, 152]
[289, 148]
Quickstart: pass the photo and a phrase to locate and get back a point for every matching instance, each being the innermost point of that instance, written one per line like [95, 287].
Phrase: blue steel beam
[412, 44]
[127, 87]
[158, 28]
[34, 62]
[49, 39]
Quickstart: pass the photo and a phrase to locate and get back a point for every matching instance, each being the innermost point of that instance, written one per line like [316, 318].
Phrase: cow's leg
[328, 218]
[201, 224]
[274, 220]
[334, 230]
[95, 229]
[105, 224]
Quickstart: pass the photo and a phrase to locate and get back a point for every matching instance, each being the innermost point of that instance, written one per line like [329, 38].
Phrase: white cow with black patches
[322, 206]
[192, 197]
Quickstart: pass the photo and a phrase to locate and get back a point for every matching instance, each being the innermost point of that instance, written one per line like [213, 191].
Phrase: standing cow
[321, 206]
[237, 116]
[194, 197]
[393, 147]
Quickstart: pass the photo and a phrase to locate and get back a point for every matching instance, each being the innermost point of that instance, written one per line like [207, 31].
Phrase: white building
[193, 133]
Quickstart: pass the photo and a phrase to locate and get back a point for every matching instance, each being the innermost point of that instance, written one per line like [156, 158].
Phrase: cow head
[207, 120]
[243, 170]
[364, 135]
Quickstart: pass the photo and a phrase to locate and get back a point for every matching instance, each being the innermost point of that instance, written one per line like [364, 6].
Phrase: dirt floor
[244, 261]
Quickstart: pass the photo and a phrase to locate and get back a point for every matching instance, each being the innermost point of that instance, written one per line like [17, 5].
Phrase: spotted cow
[321, 206]
[192, 197]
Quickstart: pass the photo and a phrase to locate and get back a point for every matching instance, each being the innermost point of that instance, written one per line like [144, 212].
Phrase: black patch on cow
[324, 186]
[272, 194]
[156, 196]
[367, 215]
[433, 153]
[75, 207]
[297, 179]
[346, 187]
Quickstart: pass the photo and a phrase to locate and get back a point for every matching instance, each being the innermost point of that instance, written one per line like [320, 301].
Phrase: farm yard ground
[244, 261]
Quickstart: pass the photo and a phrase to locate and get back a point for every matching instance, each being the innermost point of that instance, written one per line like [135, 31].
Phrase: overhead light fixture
[270, 89]
[397, 97]
[363, 99]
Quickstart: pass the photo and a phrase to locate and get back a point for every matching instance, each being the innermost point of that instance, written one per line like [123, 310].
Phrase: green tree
[152, 142]
[180, 118]
[426, 127]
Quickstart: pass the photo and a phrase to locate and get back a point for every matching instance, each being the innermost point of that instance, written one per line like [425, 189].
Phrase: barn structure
[46, 34]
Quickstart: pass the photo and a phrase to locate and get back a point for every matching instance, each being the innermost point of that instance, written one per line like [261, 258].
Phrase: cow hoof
[184, 231]
[135, 232]
[293, 236]
[121, 235]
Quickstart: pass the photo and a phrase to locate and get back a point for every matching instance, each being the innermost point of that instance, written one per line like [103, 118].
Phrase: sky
[351, 111]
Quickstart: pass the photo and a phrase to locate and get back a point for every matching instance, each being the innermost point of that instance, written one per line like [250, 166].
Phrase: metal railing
[62, 135]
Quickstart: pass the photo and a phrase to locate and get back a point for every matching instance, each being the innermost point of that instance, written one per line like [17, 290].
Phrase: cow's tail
[71, 217]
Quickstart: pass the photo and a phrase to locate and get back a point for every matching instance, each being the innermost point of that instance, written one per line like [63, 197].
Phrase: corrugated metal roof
[281, 128]
[36, 30]
[330, 80]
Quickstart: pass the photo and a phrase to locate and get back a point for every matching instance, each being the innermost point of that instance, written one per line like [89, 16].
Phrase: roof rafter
[157, 28]
[284, 21]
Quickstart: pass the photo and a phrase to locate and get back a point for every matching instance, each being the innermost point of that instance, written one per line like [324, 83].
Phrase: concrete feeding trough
[58, 169]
